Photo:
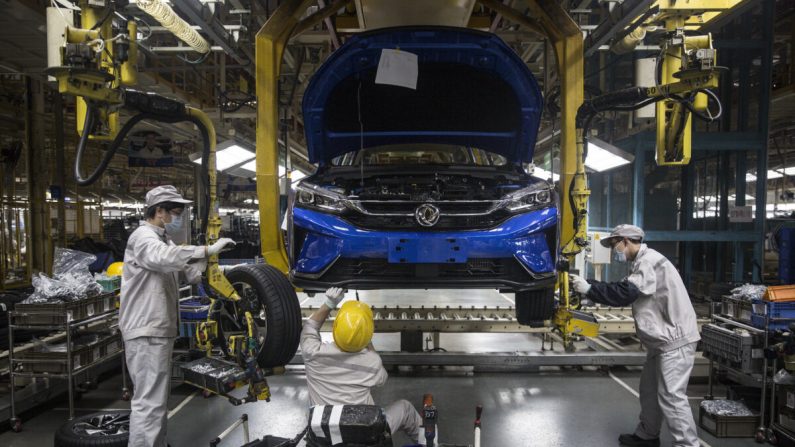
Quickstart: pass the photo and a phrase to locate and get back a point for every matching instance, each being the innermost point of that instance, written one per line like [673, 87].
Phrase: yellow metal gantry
[548, 19]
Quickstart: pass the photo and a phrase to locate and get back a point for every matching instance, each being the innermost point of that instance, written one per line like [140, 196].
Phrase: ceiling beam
[622, 15]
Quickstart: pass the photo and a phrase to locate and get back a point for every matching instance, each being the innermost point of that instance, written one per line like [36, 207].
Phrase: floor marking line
[635, 393]
[623, 384]
[182, 404]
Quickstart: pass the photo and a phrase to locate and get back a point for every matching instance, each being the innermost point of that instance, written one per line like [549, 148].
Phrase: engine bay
[424, 187]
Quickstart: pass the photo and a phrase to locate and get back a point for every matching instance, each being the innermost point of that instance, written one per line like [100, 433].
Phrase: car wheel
[533, 307]
[104, 429]
[277, 312]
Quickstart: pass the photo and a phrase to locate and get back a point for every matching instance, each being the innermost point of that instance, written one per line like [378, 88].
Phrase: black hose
[114, 146]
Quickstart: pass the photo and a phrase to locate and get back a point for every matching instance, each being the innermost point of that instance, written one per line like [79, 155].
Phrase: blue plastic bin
[781, 314]
[193, 310]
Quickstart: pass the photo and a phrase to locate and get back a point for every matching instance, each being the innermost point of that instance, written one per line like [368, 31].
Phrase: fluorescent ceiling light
[750, 177]
[229, 154]
[544, 174]
[779, 172]
[251, 168]
[603, 156]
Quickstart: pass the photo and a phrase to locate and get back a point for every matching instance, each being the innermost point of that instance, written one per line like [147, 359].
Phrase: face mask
[619, 256]
[175, 225]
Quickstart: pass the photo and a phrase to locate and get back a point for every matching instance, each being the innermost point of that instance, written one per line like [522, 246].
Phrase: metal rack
[763, 378]
[95, 313]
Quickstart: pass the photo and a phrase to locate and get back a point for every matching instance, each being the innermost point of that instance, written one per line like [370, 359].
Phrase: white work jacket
[336, 377]
[150, 282]
[664, 316]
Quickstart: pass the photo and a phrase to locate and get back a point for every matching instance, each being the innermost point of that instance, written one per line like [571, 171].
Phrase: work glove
[228, 268]
[223, 244]
[334, 296]
[579, 285]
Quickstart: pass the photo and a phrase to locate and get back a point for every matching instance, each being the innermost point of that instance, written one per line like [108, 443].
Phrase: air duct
[174, 23]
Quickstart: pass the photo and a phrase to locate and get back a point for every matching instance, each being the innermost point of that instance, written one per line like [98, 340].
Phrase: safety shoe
[633, 440]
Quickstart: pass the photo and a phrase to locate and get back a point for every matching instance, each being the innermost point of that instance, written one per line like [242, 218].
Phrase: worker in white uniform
[153, 267]
[343, 372]
[666, 325]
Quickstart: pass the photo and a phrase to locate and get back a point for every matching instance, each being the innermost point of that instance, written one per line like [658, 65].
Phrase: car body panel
[472, 90]
[331, 237]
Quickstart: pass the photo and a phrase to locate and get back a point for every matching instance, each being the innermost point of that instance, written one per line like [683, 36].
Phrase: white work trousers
[149, 363]
[663, 395]
[402, 416]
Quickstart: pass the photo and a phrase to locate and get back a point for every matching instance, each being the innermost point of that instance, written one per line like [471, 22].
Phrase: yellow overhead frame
[271, 40]
[547, 18]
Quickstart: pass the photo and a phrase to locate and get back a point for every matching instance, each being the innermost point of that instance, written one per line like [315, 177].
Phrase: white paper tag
[107, 304]
[76, 363]
[397, 67]
[90, 310]
[68, 315]
[790, 400]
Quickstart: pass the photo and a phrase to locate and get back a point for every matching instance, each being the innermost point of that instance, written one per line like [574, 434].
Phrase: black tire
[103, 429]
[282, 311]
[533, 307]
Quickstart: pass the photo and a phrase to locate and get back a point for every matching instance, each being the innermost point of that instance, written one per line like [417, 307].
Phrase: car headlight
[312, 196]
[532, 197]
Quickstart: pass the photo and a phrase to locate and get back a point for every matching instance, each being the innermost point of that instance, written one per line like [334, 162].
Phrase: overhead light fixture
[228, 154]
[750, 177]
[780, 172]
[543, 174]
[603, 156]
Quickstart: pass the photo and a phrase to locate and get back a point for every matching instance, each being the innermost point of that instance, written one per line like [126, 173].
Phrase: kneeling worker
[666, 325]
[342, 372]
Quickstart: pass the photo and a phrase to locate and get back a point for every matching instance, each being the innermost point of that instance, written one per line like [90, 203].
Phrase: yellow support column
[270, 43]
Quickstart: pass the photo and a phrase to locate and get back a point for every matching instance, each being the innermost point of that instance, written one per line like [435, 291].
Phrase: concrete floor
[551, 408]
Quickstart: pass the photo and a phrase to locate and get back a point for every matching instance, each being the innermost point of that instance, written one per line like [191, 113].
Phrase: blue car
[424, 187]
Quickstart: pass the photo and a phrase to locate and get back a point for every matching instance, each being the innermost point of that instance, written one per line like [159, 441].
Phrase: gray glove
[223, 244]
[579, 285]
[334, 296]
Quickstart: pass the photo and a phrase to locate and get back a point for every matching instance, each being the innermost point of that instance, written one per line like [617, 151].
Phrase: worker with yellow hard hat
[115, 269]
[343, 372]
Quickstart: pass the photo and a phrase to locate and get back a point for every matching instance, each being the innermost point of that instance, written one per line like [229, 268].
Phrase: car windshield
[420, 154]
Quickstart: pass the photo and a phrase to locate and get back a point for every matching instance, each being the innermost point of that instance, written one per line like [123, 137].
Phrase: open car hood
[472, 90]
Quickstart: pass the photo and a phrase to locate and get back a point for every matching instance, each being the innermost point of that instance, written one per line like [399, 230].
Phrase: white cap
[165, 193]
[623, 231]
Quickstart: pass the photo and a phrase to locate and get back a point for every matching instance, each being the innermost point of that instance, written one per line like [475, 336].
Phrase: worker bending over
[153, 267]
[666, 325]
[342, 372]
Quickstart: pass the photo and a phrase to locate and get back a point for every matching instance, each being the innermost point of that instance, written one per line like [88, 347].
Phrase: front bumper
[518, 254]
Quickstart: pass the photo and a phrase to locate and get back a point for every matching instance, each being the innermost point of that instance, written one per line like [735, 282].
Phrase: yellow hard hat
[353, 327]
[115, 269]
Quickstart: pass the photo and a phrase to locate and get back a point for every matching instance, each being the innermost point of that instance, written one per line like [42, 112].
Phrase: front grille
[462, 207]
[492, 268]
[461, 223]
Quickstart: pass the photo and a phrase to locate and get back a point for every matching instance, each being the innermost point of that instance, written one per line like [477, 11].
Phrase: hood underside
[472, 90]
